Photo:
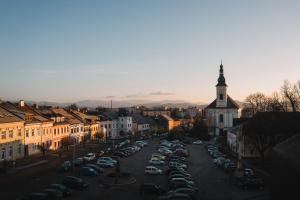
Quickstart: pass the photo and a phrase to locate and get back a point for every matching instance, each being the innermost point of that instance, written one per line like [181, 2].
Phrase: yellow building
[61, 131]
[91, 123]
[12, 136]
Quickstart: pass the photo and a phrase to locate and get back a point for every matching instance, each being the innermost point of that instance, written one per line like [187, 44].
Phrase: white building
[125, 124]
[221, 112]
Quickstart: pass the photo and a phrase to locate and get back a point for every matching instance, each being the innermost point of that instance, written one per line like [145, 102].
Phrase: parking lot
[213, 183]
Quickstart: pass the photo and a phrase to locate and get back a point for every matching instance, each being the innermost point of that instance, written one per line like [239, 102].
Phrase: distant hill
[126, 103]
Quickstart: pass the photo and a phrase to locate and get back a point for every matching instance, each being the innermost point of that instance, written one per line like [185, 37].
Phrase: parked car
[180, 176]
[188, 191]
[198, 142]
[150, 188]
[108, 159]
[89, 157]
[175, 196]
[96, 168]
[152, 170]
[79, 161]
[65, 166]
[176, 164]
[158, 156]
[54, 194]
[75, 183]
[175, 180]
[156, 162]
[100, 153]
[105, 164]
[65, 190]
[248, 172]
[120, 154]
[36, 196]
[186, 175]
[88, 171]
[249, 183]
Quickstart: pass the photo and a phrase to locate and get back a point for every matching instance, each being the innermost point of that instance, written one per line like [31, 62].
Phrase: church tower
[221, 89]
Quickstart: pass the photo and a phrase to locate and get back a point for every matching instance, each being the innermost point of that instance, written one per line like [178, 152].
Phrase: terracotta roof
[230, 104]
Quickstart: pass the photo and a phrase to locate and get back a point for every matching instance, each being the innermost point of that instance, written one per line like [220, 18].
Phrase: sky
[67, 51]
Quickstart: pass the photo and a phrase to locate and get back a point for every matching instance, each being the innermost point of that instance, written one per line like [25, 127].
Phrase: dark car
[256, 183]
[120, 154]
[75, 183]
[65, 190]
[175, 196]
[54, 194]
[188, 191]
[150, 188]
[65, 166]
[36, 196]
[88, 171]
[96, 168]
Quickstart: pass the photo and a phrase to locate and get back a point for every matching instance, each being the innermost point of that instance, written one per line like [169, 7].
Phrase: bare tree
[257, 102]
[291, 93]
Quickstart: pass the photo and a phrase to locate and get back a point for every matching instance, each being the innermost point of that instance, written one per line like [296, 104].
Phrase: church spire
[221, 79]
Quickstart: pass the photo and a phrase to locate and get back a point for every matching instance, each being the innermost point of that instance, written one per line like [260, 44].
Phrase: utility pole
[74, 150]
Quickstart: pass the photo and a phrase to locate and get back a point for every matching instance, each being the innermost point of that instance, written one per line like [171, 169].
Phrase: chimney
[22, 103]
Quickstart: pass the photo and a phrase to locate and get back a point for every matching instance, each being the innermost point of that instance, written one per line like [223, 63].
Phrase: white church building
[221, 112]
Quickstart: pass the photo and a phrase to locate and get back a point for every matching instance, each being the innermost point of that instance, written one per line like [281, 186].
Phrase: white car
[175, 164]
[152, 170]
[108, 159]
[89, 157]
[156, 162]
[198, 142]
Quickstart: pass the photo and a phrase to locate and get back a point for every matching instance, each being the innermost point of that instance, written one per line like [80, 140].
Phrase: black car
[188, 191]
[150, 188]
[36, 196]
[96, 168]
[75, 183]
[54, 194]
[249, 183]
[175, 196]
[65, 190]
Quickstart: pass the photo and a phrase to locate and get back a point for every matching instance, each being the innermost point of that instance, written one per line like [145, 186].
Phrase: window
[19, 132]
[55, 131]
[27, 133]
[11, 151]
[3, 135]
[62, 130]
[221, 118]
[221, 96]
[20, 149]
[3, 153]
[11, 133]
[109, 125]
[32, 132]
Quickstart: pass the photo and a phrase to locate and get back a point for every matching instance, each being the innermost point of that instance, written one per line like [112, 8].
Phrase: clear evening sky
[68, 50]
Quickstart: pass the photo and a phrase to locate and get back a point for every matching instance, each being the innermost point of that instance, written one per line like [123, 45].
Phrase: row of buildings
[29, 129]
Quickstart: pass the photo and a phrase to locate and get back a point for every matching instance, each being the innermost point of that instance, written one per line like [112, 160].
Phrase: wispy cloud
[109, 97]
[160, 93]
[151, 94]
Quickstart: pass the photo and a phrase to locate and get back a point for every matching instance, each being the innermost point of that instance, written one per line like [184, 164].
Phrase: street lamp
[74, 150]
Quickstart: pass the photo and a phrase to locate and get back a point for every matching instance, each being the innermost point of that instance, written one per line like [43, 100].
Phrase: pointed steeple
[221, 79]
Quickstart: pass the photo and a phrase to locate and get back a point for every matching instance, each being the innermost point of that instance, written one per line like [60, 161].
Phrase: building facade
[12, 136]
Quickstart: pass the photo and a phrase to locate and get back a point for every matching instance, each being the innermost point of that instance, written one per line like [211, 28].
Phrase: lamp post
[74, 150]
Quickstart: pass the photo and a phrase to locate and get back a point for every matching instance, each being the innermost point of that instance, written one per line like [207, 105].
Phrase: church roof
[230, 104]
